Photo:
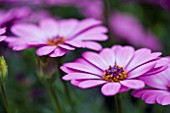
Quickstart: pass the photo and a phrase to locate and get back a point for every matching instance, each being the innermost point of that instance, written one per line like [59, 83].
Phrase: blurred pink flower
[129, 29]
[2, 31]
[89, 8]
[116, 68]
[159, 91]
[12, 15]
[55, 37]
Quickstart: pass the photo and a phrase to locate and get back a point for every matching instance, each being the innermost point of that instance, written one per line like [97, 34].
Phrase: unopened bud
[3, 69]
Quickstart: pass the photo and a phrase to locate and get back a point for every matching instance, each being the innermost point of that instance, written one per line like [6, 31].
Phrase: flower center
[56, 41]
[114, 74]
[169, 86]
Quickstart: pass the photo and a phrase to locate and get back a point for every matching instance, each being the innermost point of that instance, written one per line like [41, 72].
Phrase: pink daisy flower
[2, 31]
[159, 93]
[129, 29]
[116, 68]
[55, 37]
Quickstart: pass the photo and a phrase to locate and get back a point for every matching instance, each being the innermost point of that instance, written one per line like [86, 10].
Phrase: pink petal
[141, 70]
[66, 70]
[91, 83]
[139, 93]
[124, 55]
[95, 59]
[108, 56]
[160, 98]
[76, 82]
[67, 27]
[110, 89]
[50, 27]
[85, 68]
[58, 52]
[156, 81]
[134, 84]
[92, 45]
[45, 50]
[2, 38]
[28, 31]
[66, 47]
[166, 100]
[85, 24]
[141, 56]
[2, 30]
[80, 76]
[150, 97]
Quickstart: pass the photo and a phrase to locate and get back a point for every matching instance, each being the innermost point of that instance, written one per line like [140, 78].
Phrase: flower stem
[66, 89]
[118, 103]
[4, 97]
[54, 97]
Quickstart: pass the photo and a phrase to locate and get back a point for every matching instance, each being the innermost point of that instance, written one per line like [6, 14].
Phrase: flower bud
[46, 66]
[3, 69]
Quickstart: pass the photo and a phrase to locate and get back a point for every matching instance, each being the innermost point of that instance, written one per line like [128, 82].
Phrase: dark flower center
[56, 41]
[169, 87]
[114, 74]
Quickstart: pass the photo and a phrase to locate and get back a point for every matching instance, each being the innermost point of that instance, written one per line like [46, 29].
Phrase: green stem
[4, 98]
[118, 103]
[54, 97]
[66, 89]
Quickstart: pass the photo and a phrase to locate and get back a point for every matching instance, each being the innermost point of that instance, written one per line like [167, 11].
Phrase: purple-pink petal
[45, 50]
[80, 76]
[134, 84]
[58, 52]
[91, 83]
[95, 59]
[110, 89]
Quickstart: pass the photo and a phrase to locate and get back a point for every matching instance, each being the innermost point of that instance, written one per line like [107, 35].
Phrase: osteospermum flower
[55, 37]
[129, 29]
[159, 91]
[116, 68]
[2, 31]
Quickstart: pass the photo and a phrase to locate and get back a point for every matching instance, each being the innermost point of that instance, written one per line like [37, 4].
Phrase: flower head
[55, 37]
[129, 29]
[2, 31]
[117, 69]
[159, 91]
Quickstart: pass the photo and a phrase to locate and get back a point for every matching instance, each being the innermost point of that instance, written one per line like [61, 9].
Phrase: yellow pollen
[56, 41]
[115, 74]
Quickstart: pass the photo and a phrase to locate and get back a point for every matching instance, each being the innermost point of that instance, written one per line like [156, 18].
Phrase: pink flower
[12, 15]
[54, 38]
[129, 29]
[117, 69]
[159, 93]
[2, 31]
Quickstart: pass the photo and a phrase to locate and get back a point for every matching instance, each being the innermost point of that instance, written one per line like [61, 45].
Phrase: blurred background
[140, 23]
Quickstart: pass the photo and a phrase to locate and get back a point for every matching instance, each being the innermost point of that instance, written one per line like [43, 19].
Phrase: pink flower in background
[9, 17]
[159, 93]
[89, 8]
[55, 37]
[128, 28]
[117, 69]
[2, 31]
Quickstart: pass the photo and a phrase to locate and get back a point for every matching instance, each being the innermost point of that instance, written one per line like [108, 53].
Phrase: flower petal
[110, 89]
[95, 59]
[45, 50]
[80, 76]
[91, 83]
[58, 52]
[85, 68]
[124, 55]
[141, 70]
[134, 84]
[108, 56]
